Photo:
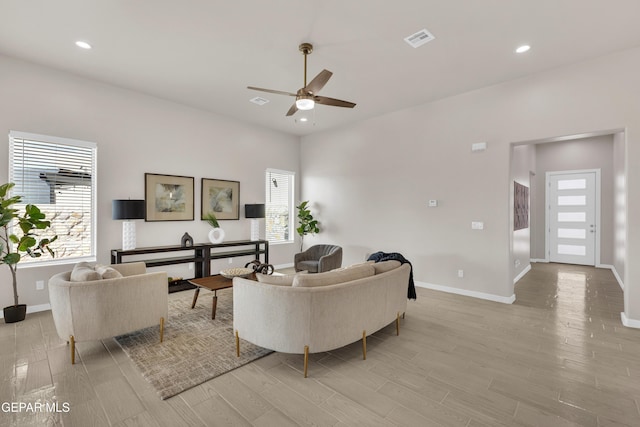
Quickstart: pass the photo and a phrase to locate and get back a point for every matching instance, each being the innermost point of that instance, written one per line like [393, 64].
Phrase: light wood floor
[558, 356]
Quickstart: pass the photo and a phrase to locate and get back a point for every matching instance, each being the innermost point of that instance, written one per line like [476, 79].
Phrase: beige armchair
[318, 259]
[102, 308]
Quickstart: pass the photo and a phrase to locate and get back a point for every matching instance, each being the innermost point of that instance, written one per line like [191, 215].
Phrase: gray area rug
[195, 348]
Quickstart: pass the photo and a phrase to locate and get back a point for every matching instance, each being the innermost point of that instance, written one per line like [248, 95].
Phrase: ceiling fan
[307, 96]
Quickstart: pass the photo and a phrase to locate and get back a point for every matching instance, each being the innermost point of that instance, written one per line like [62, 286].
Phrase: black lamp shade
[128, 209]
[254, 211]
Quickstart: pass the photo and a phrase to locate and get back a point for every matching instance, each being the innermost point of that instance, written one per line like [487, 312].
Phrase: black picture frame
[220, 197]
[169, 197]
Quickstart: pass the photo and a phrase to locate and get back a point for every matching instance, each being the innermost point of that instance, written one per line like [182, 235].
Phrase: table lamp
[254, 212]
[128, 210]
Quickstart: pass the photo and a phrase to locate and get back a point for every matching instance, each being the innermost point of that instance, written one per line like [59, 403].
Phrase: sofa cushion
[107, 272]
[84, 272]
[384, 266]
[272, 279]
[334, 276]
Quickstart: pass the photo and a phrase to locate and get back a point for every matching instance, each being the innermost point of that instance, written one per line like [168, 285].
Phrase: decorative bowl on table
[230, 273]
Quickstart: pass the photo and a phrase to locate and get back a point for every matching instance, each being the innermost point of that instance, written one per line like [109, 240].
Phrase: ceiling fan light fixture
[305, 104]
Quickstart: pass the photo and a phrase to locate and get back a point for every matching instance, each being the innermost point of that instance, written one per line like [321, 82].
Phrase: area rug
[195, 348]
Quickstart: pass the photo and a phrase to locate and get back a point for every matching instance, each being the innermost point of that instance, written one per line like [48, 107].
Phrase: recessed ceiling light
[83, 45]
[523, 48]
[303, 119]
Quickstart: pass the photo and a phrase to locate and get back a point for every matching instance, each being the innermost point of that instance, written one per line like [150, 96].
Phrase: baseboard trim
[467, 293]
[615, 274]
[522, 273]
[32, 309]
[629, 323]
[538, 260]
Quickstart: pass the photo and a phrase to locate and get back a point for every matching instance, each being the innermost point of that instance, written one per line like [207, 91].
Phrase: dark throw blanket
[382, 256]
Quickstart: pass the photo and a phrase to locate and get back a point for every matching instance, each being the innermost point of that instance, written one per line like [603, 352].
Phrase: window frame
[292, 179]
[92, 257]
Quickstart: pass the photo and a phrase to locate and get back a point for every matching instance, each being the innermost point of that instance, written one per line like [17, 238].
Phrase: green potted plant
[308, 225]
[216, 235]
[18, 238]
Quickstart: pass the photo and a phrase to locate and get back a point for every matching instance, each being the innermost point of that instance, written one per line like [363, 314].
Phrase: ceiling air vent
[419, 38]
[259, 100]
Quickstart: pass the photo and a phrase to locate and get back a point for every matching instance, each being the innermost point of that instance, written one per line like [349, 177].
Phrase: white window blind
[279, 206]
[59, 176]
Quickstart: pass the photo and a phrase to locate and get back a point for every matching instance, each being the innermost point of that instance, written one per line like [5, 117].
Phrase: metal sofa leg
[364, 345]
[72, 345]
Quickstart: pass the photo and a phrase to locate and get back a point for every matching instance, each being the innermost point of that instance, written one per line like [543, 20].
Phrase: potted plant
[18, 238]
[216, 235]
[308, 225]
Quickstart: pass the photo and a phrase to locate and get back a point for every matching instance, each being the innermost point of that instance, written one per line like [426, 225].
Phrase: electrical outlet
[230, 260]
[461, 273]
[516, 263]
[39, 285]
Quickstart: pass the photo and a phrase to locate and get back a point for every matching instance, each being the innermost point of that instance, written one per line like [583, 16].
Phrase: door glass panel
[572, 184]
[572, 233]
[572, 250]
[572, 200]
[572, 216]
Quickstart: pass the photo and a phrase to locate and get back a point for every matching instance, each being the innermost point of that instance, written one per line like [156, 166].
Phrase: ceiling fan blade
[318, 82]
[333, 102]
[279, 92]
[292, 110]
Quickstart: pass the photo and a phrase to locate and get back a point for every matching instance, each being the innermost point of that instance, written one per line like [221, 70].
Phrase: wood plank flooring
[558, 356]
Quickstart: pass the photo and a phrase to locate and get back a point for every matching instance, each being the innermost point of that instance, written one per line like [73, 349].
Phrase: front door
[572, 217]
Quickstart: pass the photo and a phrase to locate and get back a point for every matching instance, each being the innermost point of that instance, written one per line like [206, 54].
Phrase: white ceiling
[203, 53]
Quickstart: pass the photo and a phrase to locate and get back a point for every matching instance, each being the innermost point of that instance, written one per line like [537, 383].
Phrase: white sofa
[87, 307]
[310, 313]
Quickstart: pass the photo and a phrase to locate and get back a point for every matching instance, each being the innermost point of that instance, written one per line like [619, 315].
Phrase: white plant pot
[216, 235]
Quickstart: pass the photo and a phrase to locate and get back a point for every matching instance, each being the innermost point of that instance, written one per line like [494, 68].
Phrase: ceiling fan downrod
[306, 49]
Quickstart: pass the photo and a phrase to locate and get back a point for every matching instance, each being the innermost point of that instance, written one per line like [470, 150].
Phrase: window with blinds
[59, 176]
[279, 206]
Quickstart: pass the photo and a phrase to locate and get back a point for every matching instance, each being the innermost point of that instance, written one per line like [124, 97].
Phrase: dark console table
[200, 254]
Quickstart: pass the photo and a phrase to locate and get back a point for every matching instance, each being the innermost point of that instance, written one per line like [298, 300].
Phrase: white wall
[371, 180]
[135, 134]
[583, 153]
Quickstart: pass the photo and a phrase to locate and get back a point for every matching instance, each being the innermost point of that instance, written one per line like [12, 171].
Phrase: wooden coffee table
[213, 283]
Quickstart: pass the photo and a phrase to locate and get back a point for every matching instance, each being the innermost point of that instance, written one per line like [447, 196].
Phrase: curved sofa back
[285, 318]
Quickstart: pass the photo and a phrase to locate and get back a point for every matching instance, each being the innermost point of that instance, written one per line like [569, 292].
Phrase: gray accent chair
[318, 259]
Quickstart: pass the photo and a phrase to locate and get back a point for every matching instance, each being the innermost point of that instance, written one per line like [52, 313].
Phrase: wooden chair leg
[72, 346]
[398, 324]
[161, 329]
[306, 359]
[364, 345]
[237, 344]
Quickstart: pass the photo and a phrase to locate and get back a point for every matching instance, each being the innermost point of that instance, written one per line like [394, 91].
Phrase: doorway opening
[566, 234]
